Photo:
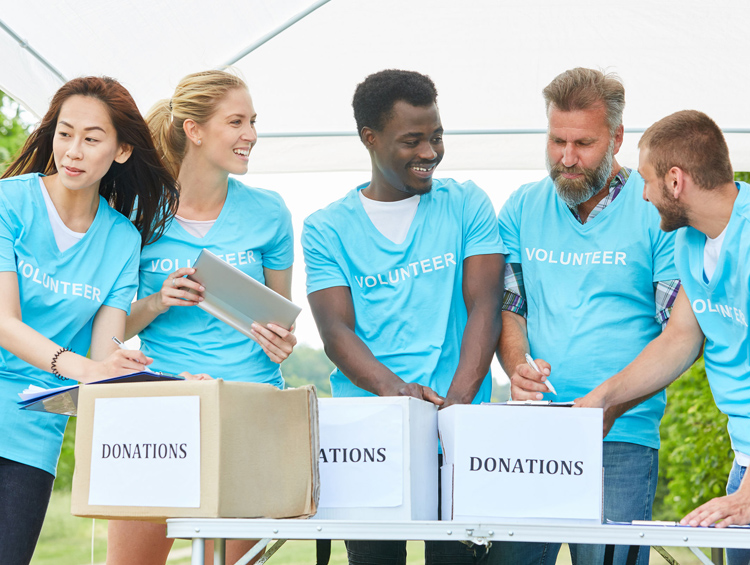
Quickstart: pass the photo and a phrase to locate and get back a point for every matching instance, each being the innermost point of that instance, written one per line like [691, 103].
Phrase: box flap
[268, 467]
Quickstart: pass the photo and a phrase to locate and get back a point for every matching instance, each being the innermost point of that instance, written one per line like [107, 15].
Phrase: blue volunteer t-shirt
[722, 308]
[60, 293]
[590, 290]
[407, 297]
[253, 231]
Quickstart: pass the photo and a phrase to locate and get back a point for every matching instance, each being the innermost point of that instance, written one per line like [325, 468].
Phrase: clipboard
[237, 299]
[558, 404]
[64, 400]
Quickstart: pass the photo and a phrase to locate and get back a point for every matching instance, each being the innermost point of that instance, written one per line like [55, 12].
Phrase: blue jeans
[24, 496]
[630, 474]
[736, 556]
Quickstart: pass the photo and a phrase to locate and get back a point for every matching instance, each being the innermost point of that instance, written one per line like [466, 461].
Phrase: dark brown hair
[141, 189]
[693, 142]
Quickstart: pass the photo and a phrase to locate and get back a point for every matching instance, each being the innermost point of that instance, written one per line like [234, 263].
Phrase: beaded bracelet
[54, 362]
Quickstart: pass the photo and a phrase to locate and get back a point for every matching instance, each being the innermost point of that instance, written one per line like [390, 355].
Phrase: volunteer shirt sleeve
[123, 291]
[510, 230]
[663, 255]
[666, 294]
[514, 297]
[321, 266]
[7, 239]
[280, 254]
[481, 235]
[664, 276]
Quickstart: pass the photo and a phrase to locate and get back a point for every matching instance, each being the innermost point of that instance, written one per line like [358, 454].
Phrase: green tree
[307, 365]
[695, 455]
[64, 478]
[13, 130]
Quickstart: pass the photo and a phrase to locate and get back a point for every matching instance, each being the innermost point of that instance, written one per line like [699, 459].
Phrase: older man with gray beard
[590, 280]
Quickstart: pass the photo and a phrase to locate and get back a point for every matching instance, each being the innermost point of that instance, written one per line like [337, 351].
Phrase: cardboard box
[521, 463]
[378, 459]
[199, 449]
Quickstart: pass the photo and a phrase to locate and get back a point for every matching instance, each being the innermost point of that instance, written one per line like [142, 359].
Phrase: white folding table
[221, 529]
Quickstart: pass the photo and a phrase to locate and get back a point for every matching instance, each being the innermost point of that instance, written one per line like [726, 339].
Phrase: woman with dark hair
[68, 272]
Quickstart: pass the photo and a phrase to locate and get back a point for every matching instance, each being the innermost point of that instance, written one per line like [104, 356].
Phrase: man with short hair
[684, 161]
[404, 274]
[590, 280]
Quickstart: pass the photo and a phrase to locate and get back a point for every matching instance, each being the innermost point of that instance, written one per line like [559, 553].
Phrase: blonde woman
[204, 133]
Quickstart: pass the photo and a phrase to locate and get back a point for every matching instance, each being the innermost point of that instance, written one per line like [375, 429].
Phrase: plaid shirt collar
[615, 187]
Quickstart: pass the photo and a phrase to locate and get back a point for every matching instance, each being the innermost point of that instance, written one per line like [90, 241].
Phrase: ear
[123, 153]
[676, 180]
[367, 136]
[619, 134]
[192, 131]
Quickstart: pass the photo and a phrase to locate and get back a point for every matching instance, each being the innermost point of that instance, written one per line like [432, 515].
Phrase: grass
[66, 540]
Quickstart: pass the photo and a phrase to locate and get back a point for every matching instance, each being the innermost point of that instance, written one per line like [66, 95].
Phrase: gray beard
[575, 192]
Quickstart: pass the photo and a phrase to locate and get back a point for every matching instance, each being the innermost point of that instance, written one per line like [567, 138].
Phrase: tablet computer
[237, 299]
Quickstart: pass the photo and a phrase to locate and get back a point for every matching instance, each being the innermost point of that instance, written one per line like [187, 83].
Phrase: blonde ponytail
[170, 145]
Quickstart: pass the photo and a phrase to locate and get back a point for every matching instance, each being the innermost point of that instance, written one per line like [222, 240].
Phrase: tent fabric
[490, 60]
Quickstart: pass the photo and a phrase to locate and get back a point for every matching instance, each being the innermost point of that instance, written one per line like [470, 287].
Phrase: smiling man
[684, 161]
[589, 282]
[404, 273]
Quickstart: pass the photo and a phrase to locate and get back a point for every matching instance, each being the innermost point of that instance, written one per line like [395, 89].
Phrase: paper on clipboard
[237, 299]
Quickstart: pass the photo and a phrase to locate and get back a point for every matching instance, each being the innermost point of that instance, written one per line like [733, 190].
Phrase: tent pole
[33, 52]
[516, 131]
[271, 34]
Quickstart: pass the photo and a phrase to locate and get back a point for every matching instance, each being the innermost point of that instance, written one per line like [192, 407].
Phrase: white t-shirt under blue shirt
[64, 236]
[60, 293]
[711, 253]
[253, 231]
[407, 297]
[393, 219]
[722, 308]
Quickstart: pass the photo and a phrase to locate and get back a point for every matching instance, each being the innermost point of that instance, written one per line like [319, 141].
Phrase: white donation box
[378, 459]
[521, 462]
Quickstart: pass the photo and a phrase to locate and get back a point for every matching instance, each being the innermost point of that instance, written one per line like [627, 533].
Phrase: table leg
[701, 556]
[255, 551]
[268, 554]
[220, 547]
[199, 546]
[717, 555]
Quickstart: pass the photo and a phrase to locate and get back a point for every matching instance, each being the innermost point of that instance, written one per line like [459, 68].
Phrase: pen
[533, 365]
[121, 345]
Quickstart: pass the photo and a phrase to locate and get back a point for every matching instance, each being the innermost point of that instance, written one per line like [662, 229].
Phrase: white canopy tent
[302, 60]
[489, 58]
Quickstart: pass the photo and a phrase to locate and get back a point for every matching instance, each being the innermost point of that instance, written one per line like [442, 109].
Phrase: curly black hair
[375, 96]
